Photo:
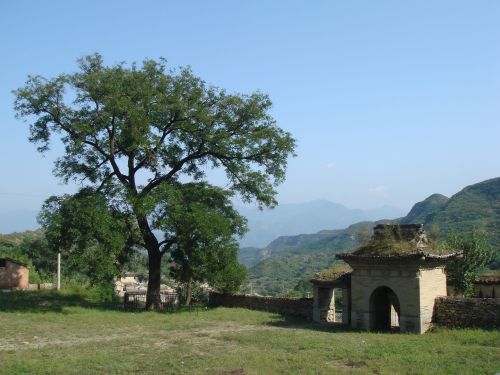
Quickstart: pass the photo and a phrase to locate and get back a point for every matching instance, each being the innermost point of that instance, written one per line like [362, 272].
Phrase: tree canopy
[205, 223]
[95, 238]
[130, 132]
[476, 255]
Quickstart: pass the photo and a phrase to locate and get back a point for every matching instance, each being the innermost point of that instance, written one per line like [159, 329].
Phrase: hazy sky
[390, 101]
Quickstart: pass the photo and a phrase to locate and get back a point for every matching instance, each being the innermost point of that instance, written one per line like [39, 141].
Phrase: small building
[13, 274]
[487, 285]
[394, 282]
[324, 285]
[130, 282]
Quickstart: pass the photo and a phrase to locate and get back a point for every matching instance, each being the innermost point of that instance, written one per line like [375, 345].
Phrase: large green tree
[129, 131]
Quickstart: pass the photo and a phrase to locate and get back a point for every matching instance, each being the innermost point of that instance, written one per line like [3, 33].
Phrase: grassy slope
[14, 239]
[70, 335]
[477, 206]
[422, 212]
[295, 258]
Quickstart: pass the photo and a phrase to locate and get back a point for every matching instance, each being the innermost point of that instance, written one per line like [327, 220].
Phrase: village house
[13, 274]
[394, 282]
[487, 285]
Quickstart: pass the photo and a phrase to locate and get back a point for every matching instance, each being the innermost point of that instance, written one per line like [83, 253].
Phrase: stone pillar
[346, 306]
[324, 305]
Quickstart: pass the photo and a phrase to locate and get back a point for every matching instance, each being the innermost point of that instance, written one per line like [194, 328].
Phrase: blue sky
[389, 101]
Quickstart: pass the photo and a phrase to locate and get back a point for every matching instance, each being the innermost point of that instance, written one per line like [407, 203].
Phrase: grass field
[50, 333]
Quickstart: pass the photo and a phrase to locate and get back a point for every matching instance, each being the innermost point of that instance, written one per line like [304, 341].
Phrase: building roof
[399, 242]
[15, 261]
[336, 276]
[491, 277]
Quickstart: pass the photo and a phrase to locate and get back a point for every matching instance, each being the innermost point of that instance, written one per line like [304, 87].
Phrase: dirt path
[165, 338]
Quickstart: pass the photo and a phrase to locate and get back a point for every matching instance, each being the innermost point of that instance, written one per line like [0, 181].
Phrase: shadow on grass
[296, 322]
[50, 301]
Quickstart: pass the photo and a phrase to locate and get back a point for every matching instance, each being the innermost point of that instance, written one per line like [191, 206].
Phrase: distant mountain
[289, 259]
[310, 217]
[476, 206]
[250, 255]
[422, 212]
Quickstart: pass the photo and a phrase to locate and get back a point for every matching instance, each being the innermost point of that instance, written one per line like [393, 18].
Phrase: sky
[389, 101]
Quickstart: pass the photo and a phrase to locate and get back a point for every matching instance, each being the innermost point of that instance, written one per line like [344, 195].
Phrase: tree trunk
[153, 301]
[189, 292]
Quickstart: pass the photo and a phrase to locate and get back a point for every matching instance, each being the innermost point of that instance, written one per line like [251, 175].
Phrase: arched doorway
[384, 310]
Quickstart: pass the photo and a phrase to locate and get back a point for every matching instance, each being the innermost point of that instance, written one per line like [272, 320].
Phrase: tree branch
[157, 181]
[167, 244]
[167, 129]
[105, 180]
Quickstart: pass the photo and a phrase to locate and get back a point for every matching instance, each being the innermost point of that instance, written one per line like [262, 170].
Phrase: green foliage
[121, 125]
[304, 288]
[476, 206]
[40, 253]
[95, 238]
[281, 273]
[230, 277]
[204, 223]
[477, 254]
[19, 253]
[16, 238]
[293, 259]
[199, 295]
[80, 285]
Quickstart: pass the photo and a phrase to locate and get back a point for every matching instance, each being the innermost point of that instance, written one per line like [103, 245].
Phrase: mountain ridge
[308, 217]
[475, 206]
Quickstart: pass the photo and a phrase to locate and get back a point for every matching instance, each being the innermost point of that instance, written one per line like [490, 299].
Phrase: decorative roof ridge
[415, 254]
[487, 281]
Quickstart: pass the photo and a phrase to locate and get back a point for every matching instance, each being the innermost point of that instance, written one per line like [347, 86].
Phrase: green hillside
[289, 260]
[476, 206]
[249, 255]
[293, 259]
[422, 212]
[16, 238]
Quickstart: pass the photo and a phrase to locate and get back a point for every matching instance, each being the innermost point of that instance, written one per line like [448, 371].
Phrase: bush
[79, 285]
[463, 271]
[199, 295]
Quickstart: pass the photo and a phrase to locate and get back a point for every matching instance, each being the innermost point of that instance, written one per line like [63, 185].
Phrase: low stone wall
[287, 306]
[41, 286]
[467, 312]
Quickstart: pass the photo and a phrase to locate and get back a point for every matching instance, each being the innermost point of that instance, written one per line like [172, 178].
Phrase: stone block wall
[41, 286]
[287, 306]
[467, 312]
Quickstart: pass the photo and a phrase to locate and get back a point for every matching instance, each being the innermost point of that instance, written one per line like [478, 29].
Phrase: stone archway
[385, 310]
